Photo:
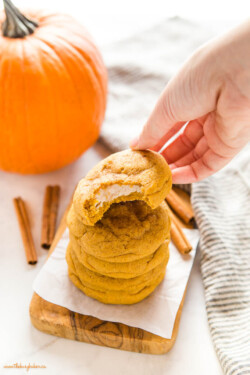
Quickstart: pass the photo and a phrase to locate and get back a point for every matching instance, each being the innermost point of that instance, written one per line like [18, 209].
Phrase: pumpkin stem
[16, 25]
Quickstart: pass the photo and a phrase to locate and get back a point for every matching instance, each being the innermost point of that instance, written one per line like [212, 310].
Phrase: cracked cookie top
[124, 176]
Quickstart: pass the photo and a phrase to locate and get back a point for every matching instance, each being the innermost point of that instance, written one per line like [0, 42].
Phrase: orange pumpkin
[53, 89]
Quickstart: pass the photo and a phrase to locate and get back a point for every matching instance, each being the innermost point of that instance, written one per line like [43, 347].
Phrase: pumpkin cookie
[125, 258]
[103, 283]
[114, 297]
[124, 176]
[124, 270]
[127, 231]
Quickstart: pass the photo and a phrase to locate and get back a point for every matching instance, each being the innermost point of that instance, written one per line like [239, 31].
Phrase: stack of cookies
[119, 228]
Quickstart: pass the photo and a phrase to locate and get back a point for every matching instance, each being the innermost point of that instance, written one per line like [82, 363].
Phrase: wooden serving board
[59, 321]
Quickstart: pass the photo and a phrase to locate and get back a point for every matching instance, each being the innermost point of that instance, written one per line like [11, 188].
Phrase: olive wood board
[60, 321]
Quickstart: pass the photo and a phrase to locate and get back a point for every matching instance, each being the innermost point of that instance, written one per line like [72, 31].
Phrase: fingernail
[134, 143]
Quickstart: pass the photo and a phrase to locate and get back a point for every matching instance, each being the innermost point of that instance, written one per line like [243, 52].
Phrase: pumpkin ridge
[25, 107]
[67, 71]
[50, 45]
[2, 144]
[47, 43]
[103, 102]
[92, 44]
[8, 138]
[56, 120]
[89, 62]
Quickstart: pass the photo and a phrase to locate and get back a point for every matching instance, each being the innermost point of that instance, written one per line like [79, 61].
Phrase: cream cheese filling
[111, 192]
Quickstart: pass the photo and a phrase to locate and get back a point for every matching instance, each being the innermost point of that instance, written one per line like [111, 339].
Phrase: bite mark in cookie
[124, 176]
[112, 192]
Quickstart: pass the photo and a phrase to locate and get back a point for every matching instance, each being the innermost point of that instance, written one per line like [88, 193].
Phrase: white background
[110, 20]
[193, 353]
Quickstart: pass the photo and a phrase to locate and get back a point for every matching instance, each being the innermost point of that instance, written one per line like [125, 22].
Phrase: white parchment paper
[155, 314]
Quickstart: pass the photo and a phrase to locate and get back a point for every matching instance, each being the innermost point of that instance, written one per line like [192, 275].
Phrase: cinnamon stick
[25, 230]
[177, 235]
[179, 206]
[50, 210]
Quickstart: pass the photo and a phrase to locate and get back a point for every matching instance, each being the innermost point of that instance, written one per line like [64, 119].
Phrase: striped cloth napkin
[139, 68]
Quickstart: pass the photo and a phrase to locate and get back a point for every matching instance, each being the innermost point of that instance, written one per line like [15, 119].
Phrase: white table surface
[20, 342]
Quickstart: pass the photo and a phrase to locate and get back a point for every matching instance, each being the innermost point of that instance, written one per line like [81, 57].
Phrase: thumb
[189, 95]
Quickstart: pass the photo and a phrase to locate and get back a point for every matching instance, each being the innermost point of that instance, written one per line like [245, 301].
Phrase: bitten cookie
[124, 176]
[127, 231]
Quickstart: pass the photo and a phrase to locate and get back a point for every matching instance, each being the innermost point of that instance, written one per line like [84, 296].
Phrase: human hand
[212, 93]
